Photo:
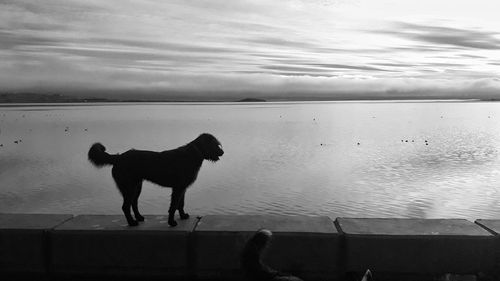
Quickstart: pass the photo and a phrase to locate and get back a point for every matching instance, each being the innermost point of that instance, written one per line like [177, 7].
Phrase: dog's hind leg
[126, 186]
[127, 203]
[182, 214]
[135, 207]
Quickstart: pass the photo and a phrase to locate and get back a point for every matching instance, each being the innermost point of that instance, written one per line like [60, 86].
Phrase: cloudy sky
[258, 48]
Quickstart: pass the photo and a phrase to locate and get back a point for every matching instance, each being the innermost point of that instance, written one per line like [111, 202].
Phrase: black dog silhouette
[367, 276]
[255, 270]
[251, 260]
[176, 168]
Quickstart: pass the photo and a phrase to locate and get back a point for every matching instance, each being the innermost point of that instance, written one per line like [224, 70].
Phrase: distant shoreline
[131, 103]
[16, 99]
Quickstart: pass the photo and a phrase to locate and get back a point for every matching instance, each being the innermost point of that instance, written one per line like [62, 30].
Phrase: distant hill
[59, 98]
[44, 98]
[251, 100]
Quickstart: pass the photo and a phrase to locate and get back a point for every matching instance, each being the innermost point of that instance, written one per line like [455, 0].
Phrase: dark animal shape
[255, 270]
[176, 168]
[251, 260]
[367, 276]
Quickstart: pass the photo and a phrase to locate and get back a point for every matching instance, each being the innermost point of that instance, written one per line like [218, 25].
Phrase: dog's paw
[133, 223]
[172, 223]
[139, 218]
[184, 216]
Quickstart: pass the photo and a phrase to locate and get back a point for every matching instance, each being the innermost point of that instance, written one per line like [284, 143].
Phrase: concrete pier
[24, 243]
[304, 246]
[313, 248]
[106, 245]
[493, 226]
[423, 246]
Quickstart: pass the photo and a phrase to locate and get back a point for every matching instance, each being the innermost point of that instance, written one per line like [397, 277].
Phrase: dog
[367, 276]
[255, 270]
[251, 260]
[176, 168]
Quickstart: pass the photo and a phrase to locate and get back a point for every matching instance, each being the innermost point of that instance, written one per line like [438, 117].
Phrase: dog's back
[175, 167]
[170, 168]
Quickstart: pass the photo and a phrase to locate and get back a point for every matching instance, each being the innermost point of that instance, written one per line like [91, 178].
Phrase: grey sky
[286, 48]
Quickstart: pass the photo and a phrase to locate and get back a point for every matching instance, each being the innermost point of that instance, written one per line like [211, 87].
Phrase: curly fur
[98, 156]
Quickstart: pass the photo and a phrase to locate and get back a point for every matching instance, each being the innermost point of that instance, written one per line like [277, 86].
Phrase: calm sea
[361, 159]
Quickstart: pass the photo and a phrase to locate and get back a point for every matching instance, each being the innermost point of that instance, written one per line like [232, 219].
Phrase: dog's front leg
[182, 214]
[174, 204]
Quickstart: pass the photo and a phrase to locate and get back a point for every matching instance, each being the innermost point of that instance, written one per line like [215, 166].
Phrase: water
[357, 159]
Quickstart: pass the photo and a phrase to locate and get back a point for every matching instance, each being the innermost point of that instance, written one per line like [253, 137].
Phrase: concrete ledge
[493, 226]
[106, 245]
[210, 248]
[24, 243]
[415, 245]
[304, 246]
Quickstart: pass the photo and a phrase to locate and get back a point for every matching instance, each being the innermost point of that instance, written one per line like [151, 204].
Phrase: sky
[219, 49]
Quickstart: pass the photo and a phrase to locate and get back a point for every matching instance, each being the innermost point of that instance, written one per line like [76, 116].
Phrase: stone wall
[208, 248]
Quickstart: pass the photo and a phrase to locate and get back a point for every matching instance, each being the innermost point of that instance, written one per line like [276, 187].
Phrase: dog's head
[209, 146]
[261, 238]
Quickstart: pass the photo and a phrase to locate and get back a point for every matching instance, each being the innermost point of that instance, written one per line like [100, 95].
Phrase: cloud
[293, 68]
[472, 56]
[405, 65]
[447, 36]
[343, 66]
[11, 40]
[57, 76]
[279, 42]
[166, 46]
[265, 47]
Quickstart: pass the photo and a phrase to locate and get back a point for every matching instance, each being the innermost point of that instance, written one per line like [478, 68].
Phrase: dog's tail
[99, 157]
